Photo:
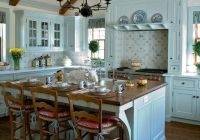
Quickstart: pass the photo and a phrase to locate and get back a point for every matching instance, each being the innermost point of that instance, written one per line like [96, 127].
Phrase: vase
[16, 64]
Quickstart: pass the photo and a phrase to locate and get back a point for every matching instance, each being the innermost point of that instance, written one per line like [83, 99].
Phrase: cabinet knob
[197, 97]
[183, 83]
[194, 97]
[172, 22]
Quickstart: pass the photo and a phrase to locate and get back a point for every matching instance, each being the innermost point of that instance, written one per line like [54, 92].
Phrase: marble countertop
[184, 75]
[42, 69]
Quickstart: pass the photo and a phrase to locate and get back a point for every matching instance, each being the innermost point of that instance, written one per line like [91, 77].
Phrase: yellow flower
[16, 52]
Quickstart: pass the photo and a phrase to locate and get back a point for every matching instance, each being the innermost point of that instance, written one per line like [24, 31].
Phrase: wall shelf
[144, 26]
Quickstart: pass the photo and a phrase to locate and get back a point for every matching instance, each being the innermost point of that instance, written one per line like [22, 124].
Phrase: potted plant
[93, 47]
[196, 48]
[16, 54]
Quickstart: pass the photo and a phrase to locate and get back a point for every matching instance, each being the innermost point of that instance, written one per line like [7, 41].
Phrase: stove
[150, 74]
[157, 71]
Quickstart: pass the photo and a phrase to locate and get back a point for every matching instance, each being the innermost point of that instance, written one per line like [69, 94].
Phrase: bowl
[100, 89]
[142, 82]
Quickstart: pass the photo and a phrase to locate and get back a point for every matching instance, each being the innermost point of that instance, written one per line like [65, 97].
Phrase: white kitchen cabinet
[183, 98]
[39, 31]
[198, 106]
[57, 33]
[141, 121]
[75, 33]
[149, 113]
[184, 104]
[177, 36]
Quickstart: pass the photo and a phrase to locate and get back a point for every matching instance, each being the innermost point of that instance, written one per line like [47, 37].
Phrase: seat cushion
[27, 106]
[107, 121]
[50, 114]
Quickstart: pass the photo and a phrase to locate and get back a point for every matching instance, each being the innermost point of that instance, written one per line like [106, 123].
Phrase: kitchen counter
[41, 69]
[133, 93]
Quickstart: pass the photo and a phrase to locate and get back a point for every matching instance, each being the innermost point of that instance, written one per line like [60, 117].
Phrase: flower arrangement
[16, 54]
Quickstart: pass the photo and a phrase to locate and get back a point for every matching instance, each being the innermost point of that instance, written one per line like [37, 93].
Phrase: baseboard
[185, 121]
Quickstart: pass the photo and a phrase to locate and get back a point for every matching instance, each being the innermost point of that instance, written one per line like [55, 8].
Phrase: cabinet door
[44, 34]
[32, 31]
[198, 106]
[184, 104]
[158, 118]
[141, 121]
[57, 36]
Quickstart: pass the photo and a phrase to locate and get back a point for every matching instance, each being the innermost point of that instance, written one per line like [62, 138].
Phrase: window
[96, 32]
[2, 36]
[196, 38]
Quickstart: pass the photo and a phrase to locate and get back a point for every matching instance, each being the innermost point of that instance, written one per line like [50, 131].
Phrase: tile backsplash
[149, 47]
[57, 58]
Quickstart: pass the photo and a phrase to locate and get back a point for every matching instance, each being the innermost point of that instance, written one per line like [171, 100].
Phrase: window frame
[190, 40]
[5, 56]
[96, 17]
[98, 40]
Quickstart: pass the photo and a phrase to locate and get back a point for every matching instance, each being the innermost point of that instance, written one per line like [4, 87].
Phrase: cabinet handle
[194, 97]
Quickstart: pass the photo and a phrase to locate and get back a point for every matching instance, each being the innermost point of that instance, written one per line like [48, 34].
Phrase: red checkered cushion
[107, 121]
[50, 114]
[28, 105]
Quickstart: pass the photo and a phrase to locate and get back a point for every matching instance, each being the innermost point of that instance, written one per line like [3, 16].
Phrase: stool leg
[91, 136]
[121, 132]
[28, 126]
[24, 125]
[11, 125]
[40, 126]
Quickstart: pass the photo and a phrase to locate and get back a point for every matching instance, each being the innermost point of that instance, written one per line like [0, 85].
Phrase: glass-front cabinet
[39, 32]
[44, 34]
[33, 33]
[57, 34]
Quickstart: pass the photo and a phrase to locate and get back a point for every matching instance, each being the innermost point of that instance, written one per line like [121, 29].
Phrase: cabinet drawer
[174, 68]
[184, 83]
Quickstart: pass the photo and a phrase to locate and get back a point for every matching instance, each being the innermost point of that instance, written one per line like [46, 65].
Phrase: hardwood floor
[174, 131]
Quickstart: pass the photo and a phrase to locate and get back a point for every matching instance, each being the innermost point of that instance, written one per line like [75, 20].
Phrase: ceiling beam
[13, 2]
[65, 7]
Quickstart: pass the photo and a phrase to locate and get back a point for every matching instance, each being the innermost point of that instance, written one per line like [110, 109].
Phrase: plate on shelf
[139, 17]
[157, 18]
[123, 20]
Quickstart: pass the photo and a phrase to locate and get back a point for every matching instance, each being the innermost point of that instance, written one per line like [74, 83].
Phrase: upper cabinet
[37, 31]
[75, 33]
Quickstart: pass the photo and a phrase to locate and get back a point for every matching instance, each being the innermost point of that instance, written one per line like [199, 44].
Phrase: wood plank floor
[174, 131]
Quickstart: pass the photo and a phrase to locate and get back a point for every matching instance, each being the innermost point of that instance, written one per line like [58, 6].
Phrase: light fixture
[86, 10]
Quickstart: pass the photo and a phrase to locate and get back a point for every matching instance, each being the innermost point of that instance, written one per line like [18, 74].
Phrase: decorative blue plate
[123, 20]
[139, 17]
[157, 18]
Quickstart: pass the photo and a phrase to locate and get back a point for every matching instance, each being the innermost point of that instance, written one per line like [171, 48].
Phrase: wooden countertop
[132, 93]
[129, 94]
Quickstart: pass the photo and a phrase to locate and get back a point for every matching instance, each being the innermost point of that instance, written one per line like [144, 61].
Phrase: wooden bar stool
[18, 108]
[93, 123]
[49, 113]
